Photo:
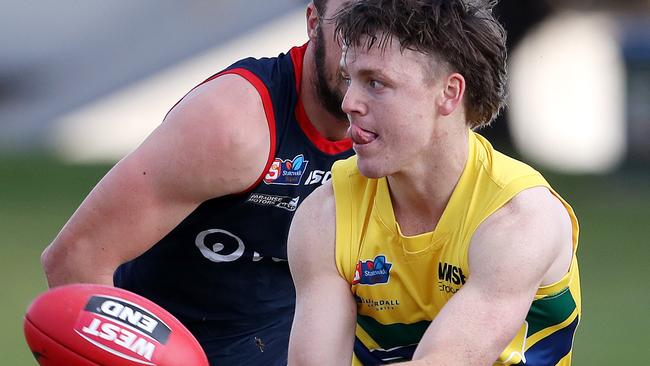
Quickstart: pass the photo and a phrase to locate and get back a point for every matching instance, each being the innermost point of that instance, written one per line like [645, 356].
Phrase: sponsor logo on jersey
[122, 328]
[220, 245]
[450, 277]
[372, 272]
[286, 172]
[287, 203]
[378, 304]
[318, 176]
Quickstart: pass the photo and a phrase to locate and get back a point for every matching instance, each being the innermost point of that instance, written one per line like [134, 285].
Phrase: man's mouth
[360, 136]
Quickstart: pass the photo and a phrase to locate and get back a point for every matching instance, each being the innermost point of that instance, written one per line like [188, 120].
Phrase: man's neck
[324, 122]
[421, 193]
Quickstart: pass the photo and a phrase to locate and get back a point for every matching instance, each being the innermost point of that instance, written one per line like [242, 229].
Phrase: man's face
[390, 102]
[328, 83]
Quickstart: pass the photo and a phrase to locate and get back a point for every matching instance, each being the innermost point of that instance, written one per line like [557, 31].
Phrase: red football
[91, 325]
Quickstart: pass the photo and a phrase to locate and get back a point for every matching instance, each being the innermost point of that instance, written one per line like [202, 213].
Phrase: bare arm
[524, 244]
[215, 142]
[323, 325]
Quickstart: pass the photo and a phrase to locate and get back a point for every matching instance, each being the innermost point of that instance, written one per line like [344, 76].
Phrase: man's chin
[368, 170]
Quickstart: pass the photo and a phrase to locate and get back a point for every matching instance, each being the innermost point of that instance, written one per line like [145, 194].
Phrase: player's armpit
[325, 316]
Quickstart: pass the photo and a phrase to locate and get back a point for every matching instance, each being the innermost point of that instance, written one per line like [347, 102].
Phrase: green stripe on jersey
[393, 335]
[549, 311]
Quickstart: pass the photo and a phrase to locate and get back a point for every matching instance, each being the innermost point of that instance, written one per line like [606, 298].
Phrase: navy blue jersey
[223, 270]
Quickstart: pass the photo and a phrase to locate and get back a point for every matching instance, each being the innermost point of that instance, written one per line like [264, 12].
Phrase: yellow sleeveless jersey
[401, 282]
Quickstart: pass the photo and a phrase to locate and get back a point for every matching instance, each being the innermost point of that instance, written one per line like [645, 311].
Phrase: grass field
[38, 195]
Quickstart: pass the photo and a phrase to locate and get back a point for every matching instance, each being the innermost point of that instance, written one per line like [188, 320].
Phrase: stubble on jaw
[329, 97]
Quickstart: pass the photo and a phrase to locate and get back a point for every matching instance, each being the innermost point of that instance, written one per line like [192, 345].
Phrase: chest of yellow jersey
[401, 283]
[406, 280]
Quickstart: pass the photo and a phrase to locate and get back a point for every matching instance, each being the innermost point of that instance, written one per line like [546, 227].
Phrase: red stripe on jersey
[268, 110]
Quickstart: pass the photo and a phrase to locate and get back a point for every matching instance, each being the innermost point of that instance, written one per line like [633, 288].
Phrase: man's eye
[374, 84]
[346, 79]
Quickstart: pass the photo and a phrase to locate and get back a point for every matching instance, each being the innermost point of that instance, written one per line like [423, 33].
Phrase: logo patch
[220, 245]
[287, 203]
[378, 305]
[318, 176]
[122, 328]
[450, 278]
[286, 172]
[372, 272]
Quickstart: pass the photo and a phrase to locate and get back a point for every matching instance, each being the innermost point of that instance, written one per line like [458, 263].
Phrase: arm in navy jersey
[524, 245]
[324, 321]
[215, 142]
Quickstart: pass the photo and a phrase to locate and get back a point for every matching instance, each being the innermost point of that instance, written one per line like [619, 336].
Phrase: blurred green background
[37, 195]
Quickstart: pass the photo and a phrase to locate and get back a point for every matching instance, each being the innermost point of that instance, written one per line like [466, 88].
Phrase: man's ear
[451, 96]
[313, 21]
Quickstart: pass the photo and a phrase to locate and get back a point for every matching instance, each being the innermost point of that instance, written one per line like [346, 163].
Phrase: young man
[429, 245]
[198, 215]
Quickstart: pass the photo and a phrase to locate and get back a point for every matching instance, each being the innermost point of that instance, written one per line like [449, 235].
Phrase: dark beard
[329, 98]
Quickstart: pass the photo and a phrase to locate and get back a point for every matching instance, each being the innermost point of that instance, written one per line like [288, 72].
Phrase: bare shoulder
[225, 113]
[312, 233]
[532, 231]
[531, 209]
[215, 141]
[318, 206]
[228, 95]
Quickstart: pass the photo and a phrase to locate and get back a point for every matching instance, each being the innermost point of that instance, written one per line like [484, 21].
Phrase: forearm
[63, 266]
[120, 219]
[323, 334]
[472, 329]
[60, 278]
